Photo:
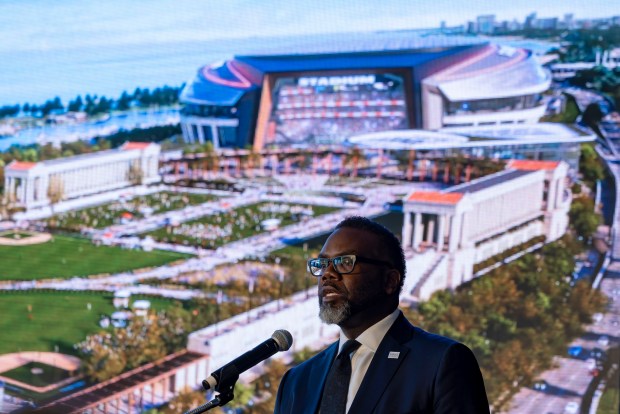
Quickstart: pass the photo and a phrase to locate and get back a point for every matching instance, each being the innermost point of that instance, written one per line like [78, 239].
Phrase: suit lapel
[387, 359]
[316, 380]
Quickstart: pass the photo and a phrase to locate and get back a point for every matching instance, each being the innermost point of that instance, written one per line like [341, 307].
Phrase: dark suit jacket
[432, 374]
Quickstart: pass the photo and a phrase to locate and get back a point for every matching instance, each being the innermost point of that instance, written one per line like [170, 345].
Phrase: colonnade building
[454, 235]
[34, 185]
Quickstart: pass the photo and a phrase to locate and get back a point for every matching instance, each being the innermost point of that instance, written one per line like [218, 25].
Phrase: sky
[44, 24]
[64, 48]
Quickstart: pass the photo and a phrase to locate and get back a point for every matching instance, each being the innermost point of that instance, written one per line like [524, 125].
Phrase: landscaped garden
[217, 230]
[124, 210]
[15, 235]
[64, 257]
[50, 321]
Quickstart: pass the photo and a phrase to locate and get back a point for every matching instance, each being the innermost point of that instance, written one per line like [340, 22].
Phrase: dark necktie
[334, 399]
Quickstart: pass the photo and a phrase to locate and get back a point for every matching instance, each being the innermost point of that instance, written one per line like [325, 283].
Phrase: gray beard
[334, 314]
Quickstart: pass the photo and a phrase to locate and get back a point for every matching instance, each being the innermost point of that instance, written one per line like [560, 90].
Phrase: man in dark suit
[388, 366]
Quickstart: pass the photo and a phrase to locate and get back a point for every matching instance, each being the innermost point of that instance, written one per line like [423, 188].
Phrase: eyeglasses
[342, 264]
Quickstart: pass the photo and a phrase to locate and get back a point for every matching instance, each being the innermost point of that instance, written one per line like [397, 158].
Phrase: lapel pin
[393, 355]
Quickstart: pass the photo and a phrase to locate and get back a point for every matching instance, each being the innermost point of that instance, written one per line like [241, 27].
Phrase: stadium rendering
[326, 92]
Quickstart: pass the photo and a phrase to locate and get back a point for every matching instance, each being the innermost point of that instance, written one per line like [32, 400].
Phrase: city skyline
[68, 24]
[69, 48]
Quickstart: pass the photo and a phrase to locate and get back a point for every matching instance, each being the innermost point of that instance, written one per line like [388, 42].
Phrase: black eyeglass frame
[356, 258]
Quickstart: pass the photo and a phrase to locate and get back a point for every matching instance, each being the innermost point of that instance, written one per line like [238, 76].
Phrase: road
[571, 377]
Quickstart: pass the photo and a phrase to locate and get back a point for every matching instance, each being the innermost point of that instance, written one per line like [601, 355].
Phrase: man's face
[344, 295]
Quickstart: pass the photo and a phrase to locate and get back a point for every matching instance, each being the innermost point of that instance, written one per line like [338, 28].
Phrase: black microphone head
[283, 338]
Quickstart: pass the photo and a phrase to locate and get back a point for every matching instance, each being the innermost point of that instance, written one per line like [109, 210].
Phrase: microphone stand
[225, 389]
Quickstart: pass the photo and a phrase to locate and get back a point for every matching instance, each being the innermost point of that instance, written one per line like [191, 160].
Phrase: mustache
[330, 285]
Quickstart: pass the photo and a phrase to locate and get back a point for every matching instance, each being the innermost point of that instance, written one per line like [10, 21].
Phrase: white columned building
[30, 184]
[447, 233]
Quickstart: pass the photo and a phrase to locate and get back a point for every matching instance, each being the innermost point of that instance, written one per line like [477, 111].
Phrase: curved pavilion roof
[468, 137]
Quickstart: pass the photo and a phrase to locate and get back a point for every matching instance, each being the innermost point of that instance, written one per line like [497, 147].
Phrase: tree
[124, 102]
[186, 400]
[2, 164]
[109, 353]
[142, 341]
[590, 165]
[7, 202]
[354, 157]
[592, 116]
[135, 174]
[517, 317]
[76, 105]
[30, 155]
[583, 218]
[101, 358]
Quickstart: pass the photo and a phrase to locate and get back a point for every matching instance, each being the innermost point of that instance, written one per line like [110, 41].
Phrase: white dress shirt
[361, 358]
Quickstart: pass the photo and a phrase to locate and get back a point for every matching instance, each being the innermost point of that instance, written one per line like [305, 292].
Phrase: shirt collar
[372, 337]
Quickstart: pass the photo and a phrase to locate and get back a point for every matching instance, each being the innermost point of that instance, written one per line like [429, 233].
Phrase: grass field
[65, 257]
[609, 402]
[55, 318]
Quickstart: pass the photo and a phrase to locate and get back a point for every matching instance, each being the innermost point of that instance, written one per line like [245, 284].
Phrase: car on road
[598, 354]
[575, 351]
[603, 340]
[540, 385]
[572, 407]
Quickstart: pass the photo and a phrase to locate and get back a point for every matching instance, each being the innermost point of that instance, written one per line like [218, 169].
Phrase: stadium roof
[380, 41]
[224, 83]
[494, 72]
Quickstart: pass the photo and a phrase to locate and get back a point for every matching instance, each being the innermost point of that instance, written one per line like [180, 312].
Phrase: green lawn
[68, 256]
[609, 402]
[56, 318]
[218, 229]
[45, 375]
[108, 214]
[15, 235]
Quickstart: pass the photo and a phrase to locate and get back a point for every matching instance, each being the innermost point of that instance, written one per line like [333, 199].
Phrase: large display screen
[168, 168]
[327, 108]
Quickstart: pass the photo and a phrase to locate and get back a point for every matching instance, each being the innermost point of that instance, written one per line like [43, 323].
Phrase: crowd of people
[331, 114]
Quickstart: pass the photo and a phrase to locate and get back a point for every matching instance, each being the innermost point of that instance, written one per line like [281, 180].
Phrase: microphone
[281, 340]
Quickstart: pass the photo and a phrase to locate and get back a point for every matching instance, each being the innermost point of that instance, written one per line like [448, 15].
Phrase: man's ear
[392, 281]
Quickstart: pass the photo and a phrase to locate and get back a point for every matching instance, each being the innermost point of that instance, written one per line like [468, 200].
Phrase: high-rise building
[530, 21]
[486, 23]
